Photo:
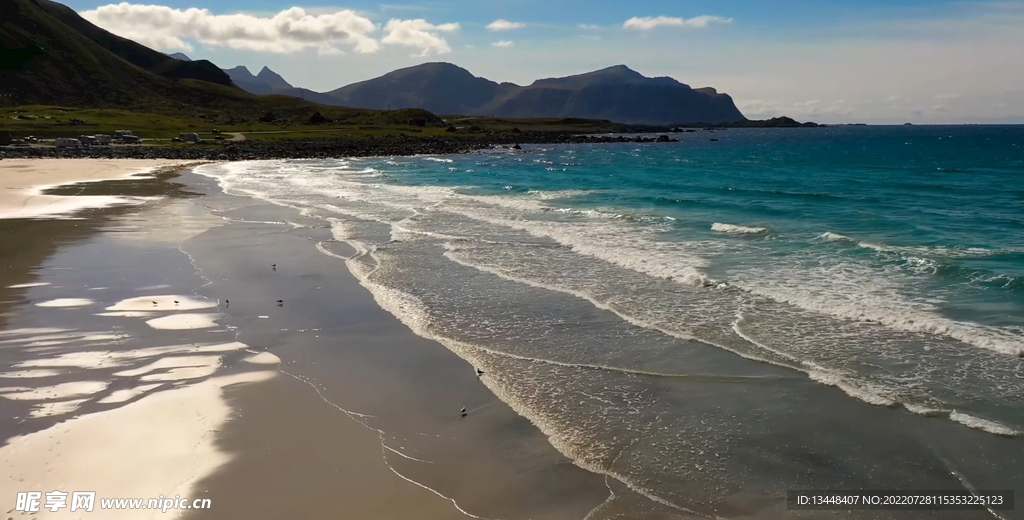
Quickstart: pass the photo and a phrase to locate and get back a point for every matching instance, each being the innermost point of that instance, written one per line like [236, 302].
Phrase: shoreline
[310, 148]
[107, 383]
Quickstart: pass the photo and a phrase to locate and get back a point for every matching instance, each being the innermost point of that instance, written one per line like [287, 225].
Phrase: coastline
[361, 414]
[86, 401]
[309, 148]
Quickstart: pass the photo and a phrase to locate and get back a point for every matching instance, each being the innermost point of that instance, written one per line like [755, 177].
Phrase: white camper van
[67, 142]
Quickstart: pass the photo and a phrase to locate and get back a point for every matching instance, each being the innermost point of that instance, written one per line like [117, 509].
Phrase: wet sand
[108, 388]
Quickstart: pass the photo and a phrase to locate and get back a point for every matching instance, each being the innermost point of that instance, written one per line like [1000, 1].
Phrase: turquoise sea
[710, 323]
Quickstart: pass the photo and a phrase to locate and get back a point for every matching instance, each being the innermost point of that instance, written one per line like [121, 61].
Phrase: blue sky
[871, 60]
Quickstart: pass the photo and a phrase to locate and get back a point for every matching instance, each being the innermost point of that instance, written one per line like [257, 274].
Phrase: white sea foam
[942, 251]
[856, 293]
[732, 228]
[983, 424]
[842, 292]
[828, 235]
[410, 311]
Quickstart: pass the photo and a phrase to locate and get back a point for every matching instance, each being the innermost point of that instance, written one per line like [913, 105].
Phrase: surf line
[380, 433]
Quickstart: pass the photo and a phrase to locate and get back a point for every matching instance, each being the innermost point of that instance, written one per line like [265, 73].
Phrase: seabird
[479, 372]
[175, 302]
[463, 411]
[154, 303]
[273, 266]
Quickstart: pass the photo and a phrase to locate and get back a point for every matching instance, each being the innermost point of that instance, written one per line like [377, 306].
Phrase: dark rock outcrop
[322, 148]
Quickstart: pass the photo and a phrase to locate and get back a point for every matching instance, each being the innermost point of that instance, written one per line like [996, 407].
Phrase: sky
[871, 61]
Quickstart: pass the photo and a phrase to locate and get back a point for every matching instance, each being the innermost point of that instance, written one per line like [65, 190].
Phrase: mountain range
[616, 93]
[50, 55]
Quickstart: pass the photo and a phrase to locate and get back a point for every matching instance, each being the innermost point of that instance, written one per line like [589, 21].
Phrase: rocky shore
[322, 147]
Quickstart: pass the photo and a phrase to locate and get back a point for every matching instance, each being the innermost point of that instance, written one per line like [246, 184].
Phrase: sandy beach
[144, 354]
[22, 182]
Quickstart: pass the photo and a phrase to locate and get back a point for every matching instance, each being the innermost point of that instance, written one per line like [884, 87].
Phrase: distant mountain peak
[272, 78]
[433, 67]
[618, 69]
[614, 75]
[180, 56]
[240, 71]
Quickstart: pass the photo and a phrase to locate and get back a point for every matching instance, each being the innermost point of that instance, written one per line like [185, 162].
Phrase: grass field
[51, 121]
[289, 120]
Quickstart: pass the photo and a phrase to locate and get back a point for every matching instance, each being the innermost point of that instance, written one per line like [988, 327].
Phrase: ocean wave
[983, 424]
[944, 251]
[732, 228]
[920, 251]
[835, 237]
[638, 248]
[412, 312]
[559, 194]
[857, 304]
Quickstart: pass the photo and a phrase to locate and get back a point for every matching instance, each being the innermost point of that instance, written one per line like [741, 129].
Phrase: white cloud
[504, 25]
[646, 23]
[589, 27]
[504, 43]
[420, 34]
[291, 30]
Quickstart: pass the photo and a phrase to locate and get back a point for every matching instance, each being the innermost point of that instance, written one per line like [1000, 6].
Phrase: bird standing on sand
[463, 411]
[479, 372]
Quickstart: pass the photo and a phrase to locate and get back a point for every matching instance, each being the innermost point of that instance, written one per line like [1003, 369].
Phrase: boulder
[317, 119]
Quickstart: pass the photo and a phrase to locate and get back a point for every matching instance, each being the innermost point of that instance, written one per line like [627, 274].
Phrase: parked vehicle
[67, 142]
